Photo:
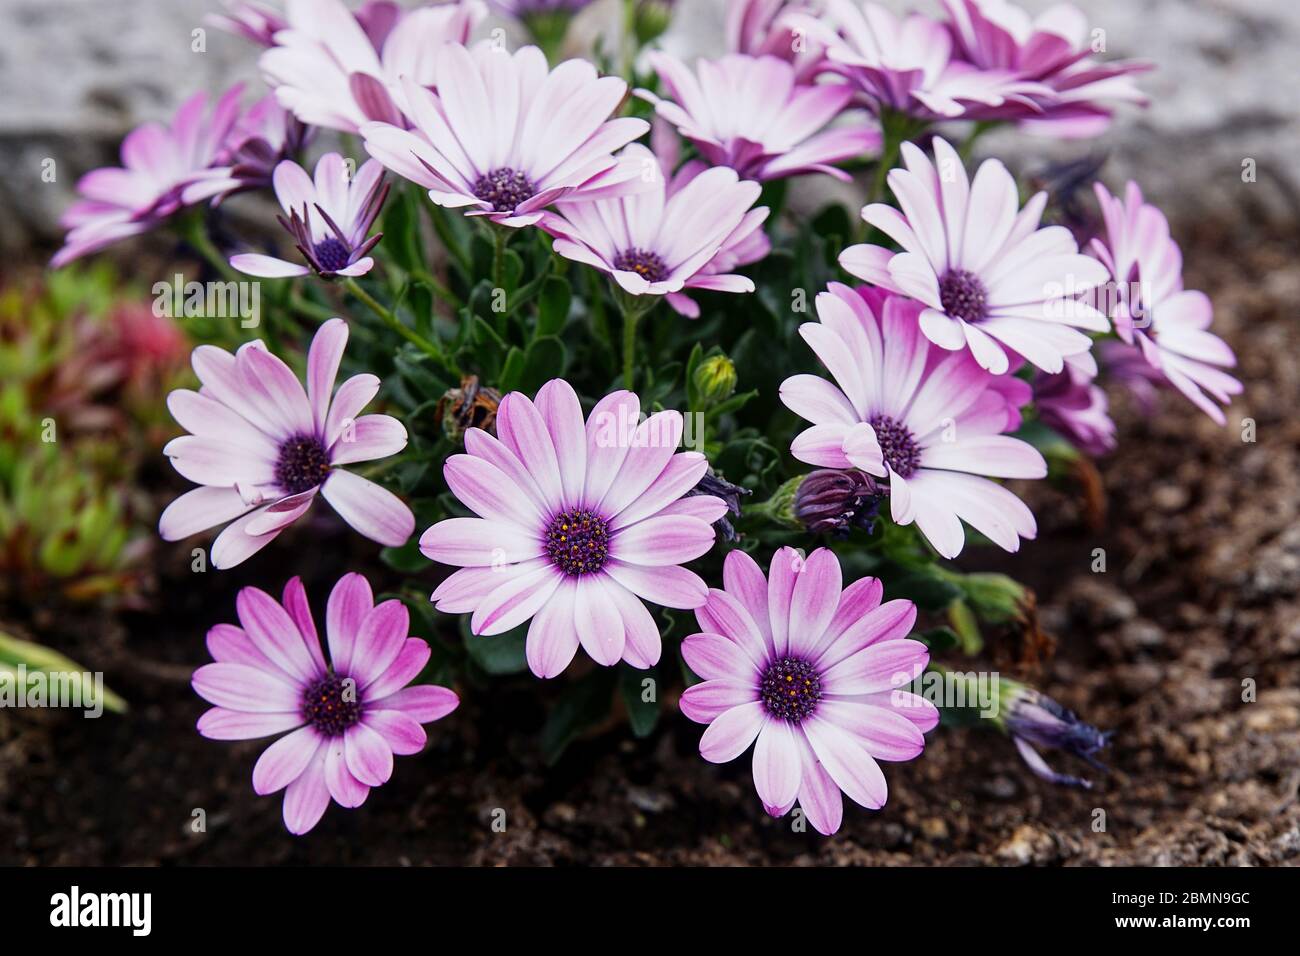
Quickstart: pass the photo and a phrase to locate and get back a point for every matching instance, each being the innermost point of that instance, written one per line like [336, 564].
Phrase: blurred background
[1201, 525]
[76, 75]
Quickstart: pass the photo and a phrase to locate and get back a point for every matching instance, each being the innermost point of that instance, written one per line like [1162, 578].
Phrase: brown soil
[1202, 592]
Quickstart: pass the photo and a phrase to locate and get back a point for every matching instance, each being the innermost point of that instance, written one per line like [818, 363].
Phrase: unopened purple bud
[1033, 718]
[835, 502]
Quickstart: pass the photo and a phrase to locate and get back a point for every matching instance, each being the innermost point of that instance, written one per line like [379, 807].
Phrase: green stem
[401, 328]
[447, 237]
[196, 234]
[499, 239]
[633, 308]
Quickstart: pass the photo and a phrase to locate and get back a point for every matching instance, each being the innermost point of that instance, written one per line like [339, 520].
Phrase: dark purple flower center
[963, 295]
[897, 446]
[648, 265]
[331, 704]
[303, 464]
[790, 689]
[504, 189]
[331, 255]
[577, 542]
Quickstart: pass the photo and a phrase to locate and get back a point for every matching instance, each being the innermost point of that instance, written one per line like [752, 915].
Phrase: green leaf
[38, 658]
[553, 307]
[642, 715]
[939, 638]
[512, 372]
[922, 585]
[545, 360]
[963, 621]
[497, 654]
[407, 559]
[581, 705]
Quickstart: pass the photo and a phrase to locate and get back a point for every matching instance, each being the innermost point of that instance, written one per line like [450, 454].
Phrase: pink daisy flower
[159, 164]
[906, 65]
[1052, 49]
[343, 720]
[329, 219]
[577, 524]
[263, 448]
[341, 70]
[260, 139]
[503, 137]
[1153, 311]
[678, 235]
[749, 113]
[765, 28]
[810, 674]
[930, 421]
[990, 279]
[254, 22]
[1070, 402]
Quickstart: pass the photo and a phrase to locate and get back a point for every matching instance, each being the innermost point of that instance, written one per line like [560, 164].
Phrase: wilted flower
[578, 523]
[1070, 402]
[814, 674]
[749, 113]
[346, 718]
[718, 487]
[989, 278]
[340, 70]
[262, 448]
[504, 138]
[906, 65]
[163, 170]
[676, 236]
[329, 219]
[1152, 310]
[1053, 50]
[472, 405]
[929, 420]
[1033, 719]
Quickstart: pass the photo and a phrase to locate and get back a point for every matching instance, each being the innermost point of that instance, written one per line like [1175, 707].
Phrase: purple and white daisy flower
[813, 676]
[263, 448]
[1051, 49]
[260, 139]
[930, 421]
[680, 234]
[1071, 402]
[254, 22]
[504, 137]
[1152, 310]
[163, 170]
[340, 70]
[991, 281]
[906, 65]
[751, 114]
[764, 28]
[329, 219]
[578, 523]
[343, 719]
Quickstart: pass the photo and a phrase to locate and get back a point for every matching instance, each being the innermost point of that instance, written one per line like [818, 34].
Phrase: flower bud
[1034, 718]
[714, 380]
[835, 502]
